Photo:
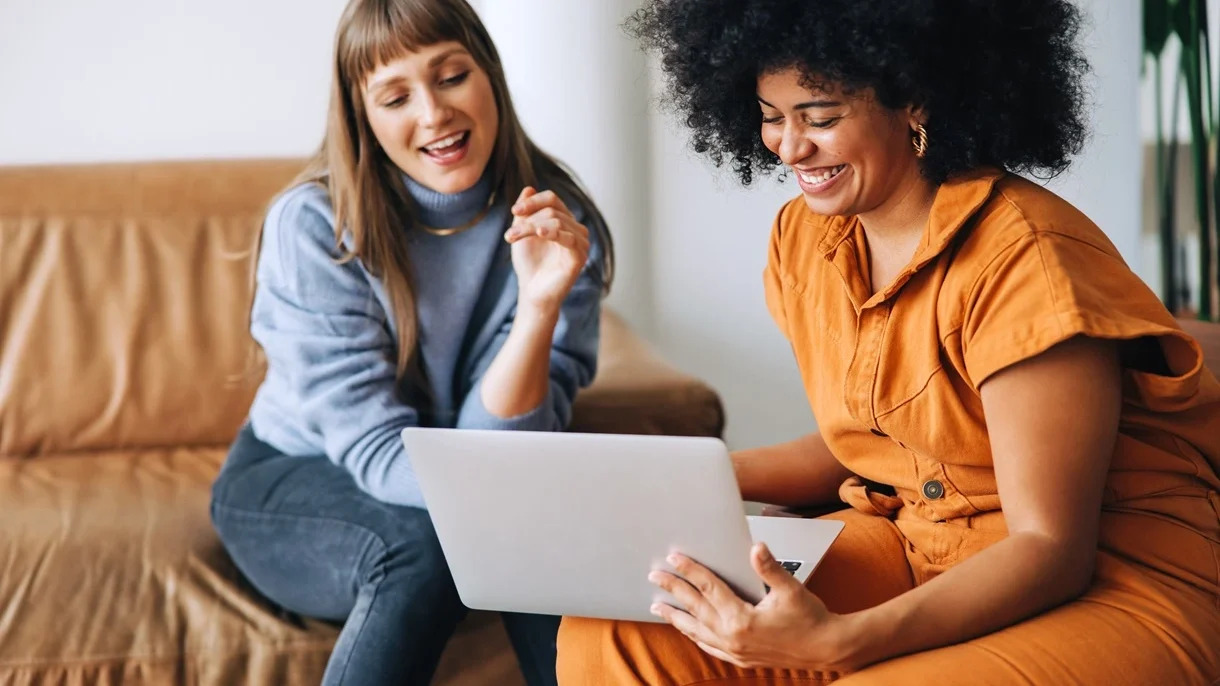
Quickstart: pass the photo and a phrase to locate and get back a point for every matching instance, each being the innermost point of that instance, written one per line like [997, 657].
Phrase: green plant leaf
[1181, 20]
[1156, 26]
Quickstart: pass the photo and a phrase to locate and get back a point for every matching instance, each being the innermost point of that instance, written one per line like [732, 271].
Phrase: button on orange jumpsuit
[1005, 271]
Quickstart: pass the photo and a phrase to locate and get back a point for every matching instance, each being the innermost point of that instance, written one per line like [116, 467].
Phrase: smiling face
[850, 155]
[434, 114]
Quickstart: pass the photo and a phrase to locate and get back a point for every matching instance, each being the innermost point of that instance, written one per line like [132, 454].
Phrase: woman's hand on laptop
[789, 628]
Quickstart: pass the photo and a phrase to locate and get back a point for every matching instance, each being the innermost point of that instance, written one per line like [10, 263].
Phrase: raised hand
[549, 249]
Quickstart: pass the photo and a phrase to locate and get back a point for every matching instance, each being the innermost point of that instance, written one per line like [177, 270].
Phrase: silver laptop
[571, 524]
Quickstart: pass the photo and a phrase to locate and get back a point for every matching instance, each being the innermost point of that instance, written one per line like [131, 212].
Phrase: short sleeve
[1046, 288]
[773, 286]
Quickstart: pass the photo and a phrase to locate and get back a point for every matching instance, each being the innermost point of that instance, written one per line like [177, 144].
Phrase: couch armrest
[639, 393]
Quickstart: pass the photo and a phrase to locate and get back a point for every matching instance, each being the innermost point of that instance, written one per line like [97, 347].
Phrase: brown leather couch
[125, 370]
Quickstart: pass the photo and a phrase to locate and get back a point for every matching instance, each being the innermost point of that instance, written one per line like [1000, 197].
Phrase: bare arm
[518, 378]
[549, 249]
[797, 473]
[1053, 423]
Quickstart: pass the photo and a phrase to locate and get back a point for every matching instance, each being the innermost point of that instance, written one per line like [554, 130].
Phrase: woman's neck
[894, 230]
[902, 218]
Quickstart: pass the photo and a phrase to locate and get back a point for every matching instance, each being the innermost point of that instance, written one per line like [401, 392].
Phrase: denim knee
[411, 559]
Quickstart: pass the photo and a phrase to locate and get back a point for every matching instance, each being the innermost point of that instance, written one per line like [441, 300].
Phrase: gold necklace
[491, 200]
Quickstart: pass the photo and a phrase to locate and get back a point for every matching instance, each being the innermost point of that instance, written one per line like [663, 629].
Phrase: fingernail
[766, 554]
[654, 577]
[672, 559]
[655, 609]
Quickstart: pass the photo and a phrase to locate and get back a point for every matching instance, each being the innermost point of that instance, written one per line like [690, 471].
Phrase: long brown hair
[373, 211]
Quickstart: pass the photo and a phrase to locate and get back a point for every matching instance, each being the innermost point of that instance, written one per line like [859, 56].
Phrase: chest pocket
[822, 329]
[920, 396]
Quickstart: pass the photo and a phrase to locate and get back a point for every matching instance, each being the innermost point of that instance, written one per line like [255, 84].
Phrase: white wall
[1105, 182]
[82, 80]
[151, 79]
[709, 246]
[580, 87]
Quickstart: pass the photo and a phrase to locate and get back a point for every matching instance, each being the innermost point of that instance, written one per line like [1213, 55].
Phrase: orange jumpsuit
[1005, 270]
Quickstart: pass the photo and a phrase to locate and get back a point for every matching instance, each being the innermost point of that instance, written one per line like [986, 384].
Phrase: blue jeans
[316, 545]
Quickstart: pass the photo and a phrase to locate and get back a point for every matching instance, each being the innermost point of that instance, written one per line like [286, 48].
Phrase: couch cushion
[637, 392]
[112, 573]
[124, 300]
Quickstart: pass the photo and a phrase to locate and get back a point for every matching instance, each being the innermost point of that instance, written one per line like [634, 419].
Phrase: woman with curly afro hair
[1028, 442]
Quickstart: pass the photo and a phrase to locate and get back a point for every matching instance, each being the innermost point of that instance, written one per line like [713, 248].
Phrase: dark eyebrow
[445, 55]
[384, 82]
[807, 105]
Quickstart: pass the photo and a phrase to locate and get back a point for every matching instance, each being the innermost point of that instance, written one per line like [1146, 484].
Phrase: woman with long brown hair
[431, 267]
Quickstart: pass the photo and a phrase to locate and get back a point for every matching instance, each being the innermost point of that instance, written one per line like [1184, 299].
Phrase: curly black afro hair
[1001, 81]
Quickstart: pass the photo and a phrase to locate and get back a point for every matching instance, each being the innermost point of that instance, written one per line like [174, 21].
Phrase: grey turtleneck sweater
[330, 340]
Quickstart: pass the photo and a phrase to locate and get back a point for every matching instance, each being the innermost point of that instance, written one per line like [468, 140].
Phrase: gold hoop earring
[920, 141]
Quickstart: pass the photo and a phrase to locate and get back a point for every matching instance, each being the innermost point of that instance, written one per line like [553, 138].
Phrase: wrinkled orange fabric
[1005, 270]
